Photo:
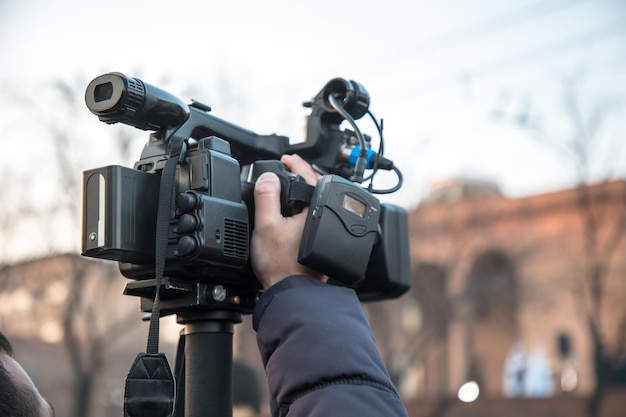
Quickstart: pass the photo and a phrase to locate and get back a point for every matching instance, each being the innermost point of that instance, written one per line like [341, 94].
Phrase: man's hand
[276, 239]
[298, 165]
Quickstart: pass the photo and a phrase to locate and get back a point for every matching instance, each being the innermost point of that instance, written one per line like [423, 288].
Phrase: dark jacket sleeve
[319, 353]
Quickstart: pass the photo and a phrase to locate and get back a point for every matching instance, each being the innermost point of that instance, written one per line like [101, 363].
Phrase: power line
[497, 23]
[515, 61]
[595, 35]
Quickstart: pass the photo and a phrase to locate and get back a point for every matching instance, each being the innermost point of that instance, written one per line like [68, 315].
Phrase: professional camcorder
[208, 202]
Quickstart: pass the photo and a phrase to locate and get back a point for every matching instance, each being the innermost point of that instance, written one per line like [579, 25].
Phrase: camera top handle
[115, 97]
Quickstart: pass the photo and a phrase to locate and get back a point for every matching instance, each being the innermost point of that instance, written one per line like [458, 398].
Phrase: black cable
[361, 162]
[360, 167]
[379, 129]
[396, 187]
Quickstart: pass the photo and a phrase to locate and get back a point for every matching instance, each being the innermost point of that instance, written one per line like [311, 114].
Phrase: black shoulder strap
[150, 389]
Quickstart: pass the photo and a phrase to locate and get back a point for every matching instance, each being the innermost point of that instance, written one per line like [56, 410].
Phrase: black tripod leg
[208, 363]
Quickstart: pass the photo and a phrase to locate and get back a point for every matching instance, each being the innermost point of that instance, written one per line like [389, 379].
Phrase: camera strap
[150, 389]
[300, 193]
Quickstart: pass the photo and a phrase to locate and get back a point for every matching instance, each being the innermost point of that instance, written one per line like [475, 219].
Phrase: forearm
[319, 352]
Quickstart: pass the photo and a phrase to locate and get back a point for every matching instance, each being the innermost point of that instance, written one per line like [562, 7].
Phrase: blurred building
[500, 305]
[504, 291]
[73, 331]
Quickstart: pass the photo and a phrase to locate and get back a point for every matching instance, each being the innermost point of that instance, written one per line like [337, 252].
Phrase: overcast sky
[450, 78]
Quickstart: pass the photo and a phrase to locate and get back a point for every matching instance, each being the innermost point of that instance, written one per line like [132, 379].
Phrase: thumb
[266, 198]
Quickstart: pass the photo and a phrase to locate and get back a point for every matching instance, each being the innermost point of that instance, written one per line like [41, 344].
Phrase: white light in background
[51, 332]
[170, 329]
[57, 292]
[21, 300]
[469, 392]
[569, 378]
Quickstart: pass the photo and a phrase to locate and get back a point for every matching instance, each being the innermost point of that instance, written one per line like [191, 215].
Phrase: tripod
[204, 356]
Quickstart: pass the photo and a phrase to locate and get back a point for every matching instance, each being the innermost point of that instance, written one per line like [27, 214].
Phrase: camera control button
[187, 245]
[358, 229]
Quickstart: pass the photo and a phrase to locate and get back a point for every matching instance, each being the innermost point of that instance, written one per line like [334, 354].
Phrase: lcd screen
[353, 205]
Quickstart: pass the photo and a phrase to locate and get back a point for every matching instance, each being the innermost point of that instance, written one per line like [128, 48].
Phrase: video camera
[349, 235]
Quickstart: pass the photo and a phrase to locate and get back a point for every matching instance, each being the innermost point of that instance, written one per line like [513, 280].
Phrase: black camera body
[349, 236]
[208, 233]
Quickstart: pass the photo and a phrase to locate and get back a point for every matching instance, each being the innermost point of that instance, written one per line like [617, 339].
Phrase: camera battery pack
[120, 208]
[340, 230]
